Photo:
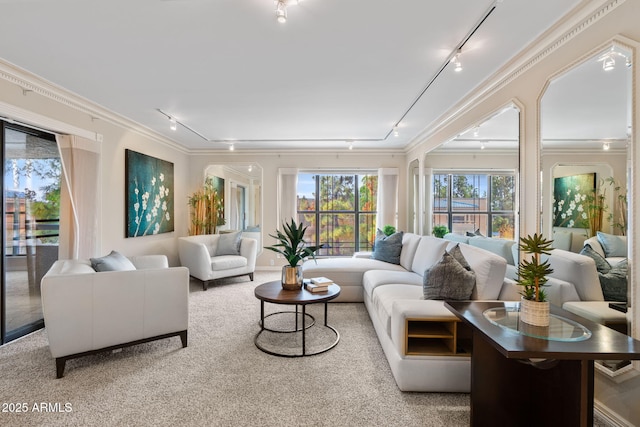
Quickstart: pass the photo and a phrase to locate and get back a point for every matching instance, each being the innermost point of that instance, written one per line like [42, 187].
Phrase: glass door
[31, 208]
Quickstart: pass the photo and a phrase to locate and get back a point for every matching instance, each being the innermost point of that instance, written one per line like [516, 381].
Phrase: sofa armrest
[401, 310]
[362, 254]
[195, 256]
[558, 291]
[143, 262]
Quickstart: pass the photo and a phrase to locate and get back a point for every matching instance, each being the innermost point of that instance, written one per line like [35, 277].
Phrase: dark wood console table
[517, 379]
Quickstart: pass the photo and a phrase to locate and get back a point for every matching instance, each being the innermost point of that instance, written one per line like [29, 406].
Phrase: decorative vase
[534, 312]
[292, 278]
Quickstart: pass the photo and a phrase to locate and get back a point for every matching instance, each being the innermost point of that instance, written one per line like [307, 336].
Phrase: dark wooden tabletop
[605, 343]
[273, 292]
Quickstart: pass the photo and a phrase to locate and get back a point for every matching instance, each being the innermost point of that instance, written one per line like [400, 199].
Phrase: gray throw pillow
[229, 244]
[614, 282]
[448, 279]
[613, 246]
[115, 261]
[387, 248]
[602, 265]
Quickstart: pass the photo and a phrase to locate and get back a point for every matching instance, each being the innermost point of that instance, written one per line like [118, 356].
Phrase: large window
[475, 203]
[339, 210]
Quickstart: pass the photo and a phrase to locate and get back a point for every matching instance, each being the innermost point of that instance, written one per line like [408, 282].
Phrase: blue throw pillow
[602, 265]
[614, 282]
[115, 261]
[613, 246]
[387, 248]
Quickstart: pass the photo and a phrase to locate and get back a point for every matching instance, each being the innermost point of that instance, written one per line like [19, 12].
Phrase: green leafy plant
[532, 274]
[440, 230]
[388, 230]
[291, 244]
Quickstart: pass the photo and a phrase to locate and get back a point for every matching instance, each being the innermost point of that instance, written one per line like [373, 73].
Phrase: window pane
[337, 192]
[306, 192]
[440, 192]
[367, 193]
[472, 223]
[338, 232]
[469, 193]
[367, 231]
[503, 226]
[502, 192]
[309, 221]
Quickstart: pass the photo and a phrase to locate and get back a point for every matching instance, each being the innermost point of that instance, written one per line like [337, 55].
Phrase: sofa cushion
[374, 278]
[601, 264]
[387, 248]
[227, 262]
[501, 247]
[449, 278]
[409, 245]
[614, 246]
[229, 244]
[614, 283]
[345, 271]
[115, 261]
[429, 251]
[384, 296]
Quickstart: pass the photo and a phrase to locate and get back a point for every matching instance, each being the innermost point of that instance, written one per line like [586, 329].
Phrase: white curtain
[287, 195]
[79, 197]
[387, 197]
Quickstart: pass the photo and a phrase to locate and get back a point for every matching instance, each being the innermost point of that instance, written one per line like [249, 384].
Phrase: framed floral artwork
[149, 195]
[572, 196]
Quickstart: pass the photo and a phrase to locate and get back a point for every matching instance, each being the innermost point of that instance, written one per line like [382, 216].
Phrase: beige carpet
[221, 378]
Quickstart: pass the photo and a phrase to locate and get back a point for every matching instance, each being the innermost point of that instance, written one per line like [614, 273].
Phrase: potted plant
[534, 308]
[388, 230]
[440, 231]
[292, 246]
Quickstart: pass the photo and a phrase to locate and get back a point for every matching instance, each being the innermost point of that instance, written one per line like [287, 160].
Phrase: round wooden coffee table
[272, 292]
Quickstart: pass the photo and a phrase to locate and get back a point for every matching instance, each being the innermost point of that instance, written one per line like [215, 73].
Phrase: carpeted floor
[221, 378]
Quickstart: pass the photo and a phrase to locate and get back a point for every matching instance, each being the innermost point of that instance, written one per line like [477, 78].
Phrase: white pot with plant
[292, 246]
[532, 276]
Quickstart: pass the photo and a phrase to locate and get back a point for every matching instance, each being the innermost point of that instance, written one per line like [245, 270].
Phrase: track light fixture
[395, 131]
[281, 11]
[606, 145]
[608, 59]
[232, 147]
[173, 125]
[350, 145]
[456, 61]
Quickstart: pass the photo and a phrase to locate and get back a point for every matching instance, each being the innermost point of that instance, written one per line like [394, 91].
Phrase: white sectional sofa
[86, 312]
[406, 324]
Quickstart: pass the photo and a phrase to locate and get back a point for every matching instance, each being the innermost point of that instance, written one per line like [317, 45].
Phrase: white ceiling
[337, 70]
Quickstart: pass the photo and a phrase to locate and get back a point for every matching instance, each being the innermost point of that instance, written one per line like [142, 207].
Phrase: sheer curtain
[387, 197]
[79, 197]
[287, 195]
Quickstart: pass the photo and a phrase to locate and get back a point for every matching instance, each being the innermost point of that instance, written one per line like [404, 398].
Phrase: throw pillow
[448, 279]
[602, 265]
[115, 261]
[456, 253]
[229, 244]
[613, 246]
[614, 282]
[388, 248]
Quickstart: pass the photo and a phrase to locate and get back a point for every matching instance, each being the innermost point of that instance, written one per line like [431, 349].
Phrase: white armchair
[208, 259]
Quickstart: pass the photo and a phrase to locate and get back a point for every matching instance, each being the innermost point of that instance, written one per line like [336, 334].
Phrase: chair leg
[183, 338]
[60, 363]
[251, 276]
[205, 285]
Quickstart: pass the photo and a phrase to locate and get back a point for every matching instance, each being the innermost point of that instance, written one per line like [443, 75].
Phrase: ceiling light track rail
[454, 53]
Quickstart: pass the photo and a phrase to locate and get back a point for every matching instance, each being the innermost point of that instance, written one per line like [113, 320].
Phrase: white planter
[534, 312]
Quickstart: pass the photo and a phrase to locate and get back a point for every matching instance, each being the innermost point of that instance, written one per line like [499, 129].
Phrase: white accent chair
[199, 255]
[86, 312]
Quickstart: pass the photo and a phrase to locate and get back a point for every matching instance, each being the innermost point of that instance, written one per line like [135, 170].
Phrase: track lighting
[250, 168]
[231, 147]
[456, 61]
[476, 131]
[350, 145]
[395, 131]
[606, 146]
[281, 11]
[608, 59]
[173, 125]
